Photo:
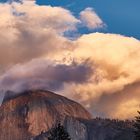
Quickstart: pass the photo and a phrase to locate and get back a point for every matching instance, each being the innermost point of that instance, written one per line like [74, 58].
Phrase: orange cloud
[90, 19]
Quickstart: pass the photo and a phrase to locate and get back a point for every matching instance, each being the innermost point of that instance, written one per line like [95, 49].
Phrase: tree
[59, 133]
[137, 127]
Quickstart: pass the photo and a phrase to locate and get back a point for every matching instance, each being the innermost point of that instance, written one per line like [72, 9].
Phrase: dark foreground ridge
[31, 115]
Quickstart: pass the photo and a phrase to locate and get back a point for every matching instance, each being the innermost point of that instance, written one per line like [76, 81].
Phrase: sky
[120, 16]
[87, 51]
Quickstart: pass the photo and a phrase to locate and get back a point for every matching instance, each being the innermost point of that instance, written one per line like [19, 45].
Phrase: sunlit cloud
[90, 19]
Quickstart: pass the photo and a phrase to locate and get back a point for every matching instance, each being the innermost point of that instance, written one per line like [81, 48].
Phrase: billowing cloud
[123, 103]
[44, 74]
[29, 31]
[90, 19]
[32, 15]
[116, 59]
[101, 71]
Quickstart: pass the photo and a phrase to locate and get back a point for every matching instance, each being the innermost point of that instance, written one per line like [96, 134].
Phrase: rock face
[76, 129]
[28, 115]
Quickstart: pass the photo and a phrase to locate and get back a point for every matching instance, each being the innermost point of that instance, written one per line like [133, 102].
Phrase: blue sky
[120, 16]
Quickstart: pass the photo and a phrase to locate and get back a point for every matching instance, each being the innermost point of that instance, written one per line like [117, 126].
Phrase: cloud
[31, 14]
[30, 31]
[116, 64]
[101, 71]
[90, 19]
[46, 74]
[51, 17]
[123, 103]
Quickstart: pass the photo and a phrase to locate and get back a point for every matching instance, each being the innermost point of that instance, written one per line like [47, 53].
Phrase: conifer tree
[137, 127]
[59, 133]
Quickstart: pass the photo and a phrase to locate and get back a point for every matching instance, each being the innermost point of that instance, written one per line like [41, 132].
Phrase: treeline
[58, 132]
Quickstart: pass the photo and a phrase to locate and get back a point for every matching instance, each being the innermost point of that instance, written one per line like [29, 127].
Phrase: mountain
[30, 116]
[27, 115]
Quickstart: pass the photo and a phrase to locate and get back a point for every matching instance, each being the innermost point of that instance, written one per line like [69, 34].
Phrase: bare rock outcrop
[28, 115]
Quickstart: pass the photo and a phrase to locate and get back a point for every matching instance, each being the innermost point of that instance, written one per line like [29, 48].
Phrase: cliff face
[26, 116]
[76, 129]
